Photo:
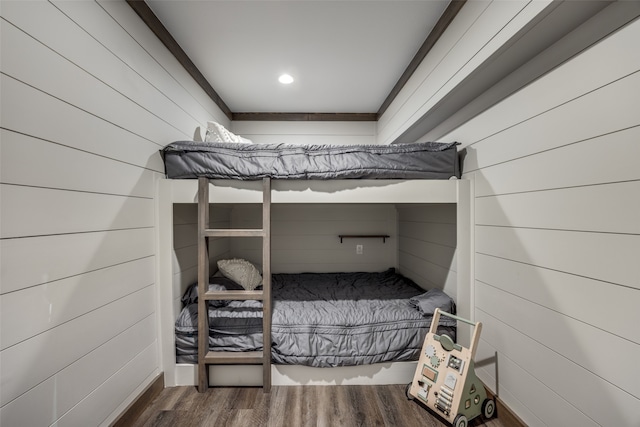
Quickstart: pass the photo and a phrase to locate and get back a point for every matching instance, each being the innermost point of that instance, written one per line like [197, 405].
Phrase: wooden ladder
[206, 357]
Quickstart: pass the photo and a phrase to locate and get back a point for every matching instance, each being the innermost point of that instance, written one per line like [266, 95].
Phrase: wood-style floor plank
[287, 406]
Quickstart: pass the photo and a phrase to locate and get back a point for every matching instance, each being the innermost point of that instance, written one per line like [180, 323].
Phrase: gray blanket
[424, 160]
[328, 319]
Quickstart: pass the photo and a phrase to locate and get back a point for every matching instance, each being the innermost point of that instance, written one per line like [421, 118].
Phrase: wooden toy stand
[445, 379]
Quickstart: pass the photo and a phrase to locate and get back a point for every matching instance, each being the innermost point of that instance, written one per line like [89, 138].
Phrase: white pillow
[199, 134]
[218, 133]
[241, 271]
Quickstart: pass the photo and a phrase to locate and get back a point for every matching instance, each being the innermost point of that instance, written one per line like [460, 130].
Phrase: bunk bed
[280, 173]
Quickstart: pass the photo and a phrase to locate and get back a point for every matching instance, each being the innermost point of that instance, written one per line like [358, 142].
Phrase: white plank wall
[302, 132]
[427, 245]
[89, 96]
[479, 30]
[185, 246]
[305, 237]
[557, 277]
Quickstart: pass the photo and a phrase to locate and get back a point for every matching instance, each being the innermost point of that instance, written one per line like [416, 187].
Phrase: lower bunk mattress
[322, 319]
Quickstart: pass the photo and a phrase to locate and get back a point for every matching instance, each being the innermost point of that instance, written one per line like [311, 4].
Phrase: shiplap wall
[427, 245]
[185, 246]
[305, 237]
[303, 132]
[557, 281]
[89, 96]
[480, 29]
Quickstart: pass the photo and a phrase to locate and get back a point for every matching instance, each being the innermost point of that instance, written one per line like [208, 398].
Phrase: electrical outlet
[359, 249]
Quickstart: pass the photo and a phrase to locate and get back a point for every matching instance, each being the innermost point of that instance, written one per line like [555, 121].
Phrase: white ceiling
[345, 56]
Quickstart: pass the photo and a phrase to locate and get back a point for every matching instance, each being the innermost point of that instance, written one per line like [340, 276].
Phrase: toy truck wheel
[460, 421]
[407, 392]
[488, 408]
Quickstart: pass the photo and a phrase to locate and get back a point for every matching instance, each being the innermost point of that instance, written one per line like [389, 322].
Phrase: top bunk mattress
[220, 160]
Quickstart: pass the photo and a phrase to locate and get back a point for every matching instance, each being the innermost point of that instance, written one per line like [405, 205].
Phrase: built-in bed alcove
[428, 223]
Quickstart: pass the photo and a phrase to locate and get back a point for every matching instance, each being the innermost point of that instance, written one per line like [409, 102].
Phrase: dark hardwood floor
[292, 406]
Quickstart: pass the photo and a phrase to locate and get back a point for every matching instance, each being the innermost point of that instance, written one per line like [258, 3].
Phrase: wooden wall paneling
[177, 229]
[574, 340]
[30, 211]
[166, 277]
[324, 260]
[534, 402]
[22, 365]
[105, 403]
[443, 23]
[607, 158]
[307, 132]
[585, 117]
[581, 298]
[47, 306]
[564, 32]
[34, 260]
[59, 393]
[71, 126]
[63, 167]
[184, 258]
[446, 44]
[85, 124]
[562, 375]
[95, 20]
[304, 128]
[133, 25]
[609, 56]
[602, 256]
[442, 256]
[427, 274]
[577, 208]
[73, 82]
[483, 39]
[492, 28]
[79, 52]
[308, 234]
[440, 234]
[552, 163]
[183, 235]
[427, 245]
[485, 370]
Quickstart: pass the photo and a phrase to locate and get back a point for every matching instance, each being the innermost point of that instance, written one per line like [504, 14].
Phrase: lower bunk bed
[321, 319]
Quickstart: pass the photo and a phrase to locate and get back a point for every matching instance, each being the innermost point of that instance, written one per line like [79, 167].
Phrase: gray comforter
[424, 160]
[328, 319]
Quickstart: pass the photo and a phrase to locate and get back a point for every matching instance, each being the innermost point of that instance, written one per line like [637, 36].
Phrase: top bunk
[425, 172]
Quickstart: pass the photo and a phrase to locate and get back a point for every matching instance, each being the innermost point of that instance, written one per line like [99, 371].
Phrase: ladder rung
[234, 358]
[233, 232]
[233, 295]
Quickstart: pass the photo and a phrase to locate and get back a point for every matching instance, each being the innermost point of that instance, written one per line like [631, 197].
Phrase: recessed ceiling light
[285, 79]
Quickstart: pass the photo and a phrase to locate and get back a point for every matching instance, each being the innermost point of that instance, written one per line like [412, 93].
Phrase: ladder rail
[203, 283]
[266, 284]
[206, 357]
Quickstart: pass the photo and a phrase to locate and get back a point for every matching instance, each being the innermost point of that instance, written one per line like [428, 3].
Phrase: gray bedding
[323, 320]
[424, 160]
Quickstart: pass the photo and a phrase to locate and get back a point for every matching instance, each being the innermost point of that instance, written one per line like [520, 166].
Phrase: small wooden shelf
[384, 237]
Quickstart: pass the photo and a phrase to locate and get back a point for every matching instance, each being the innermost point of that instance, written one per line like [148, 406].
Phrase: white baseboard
[287, 375]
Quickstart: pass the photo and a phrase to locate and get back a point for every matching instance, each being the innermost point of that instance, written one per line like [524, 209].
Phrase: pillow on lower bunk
[434, 298]
[242, 272]
[219, 283]
[191, 295]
